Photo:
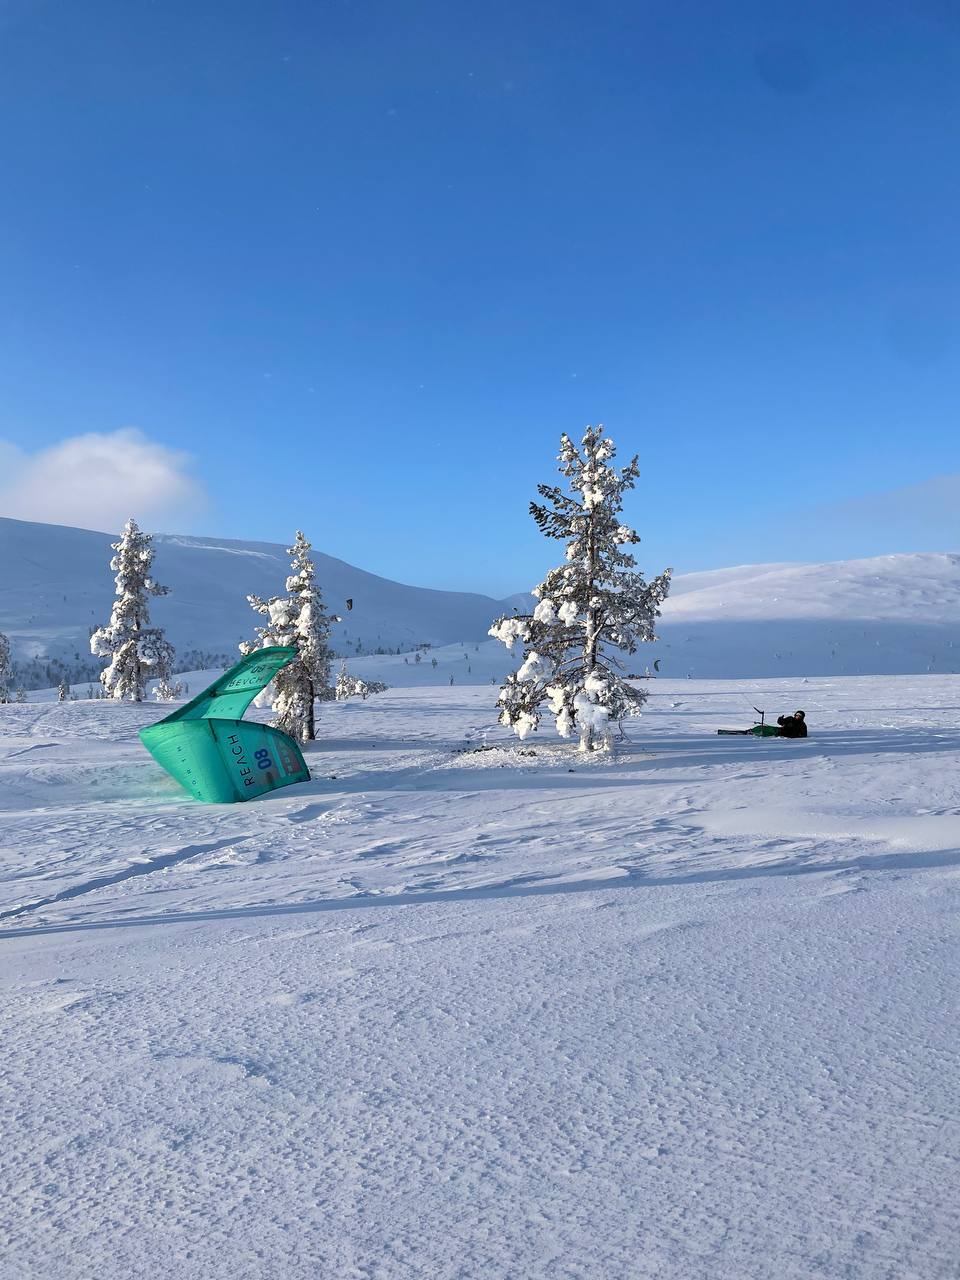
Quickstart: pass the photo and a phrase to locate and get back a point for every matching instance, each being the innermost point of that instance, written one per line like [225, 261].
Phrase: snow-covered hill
[897, 614]
[55, 585]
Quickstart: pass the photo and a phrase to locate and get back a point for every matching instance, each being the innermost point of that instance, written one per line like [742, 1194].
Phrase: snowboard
[758, 731]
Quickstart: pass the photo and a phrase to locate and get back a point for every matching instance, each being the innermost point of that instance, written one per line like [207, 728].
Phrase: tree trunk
[590, 639]
[311, 724]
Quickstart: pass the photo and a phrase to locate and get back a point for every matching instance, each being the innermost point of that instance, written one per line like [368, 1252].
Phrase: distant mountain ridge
[895, 614]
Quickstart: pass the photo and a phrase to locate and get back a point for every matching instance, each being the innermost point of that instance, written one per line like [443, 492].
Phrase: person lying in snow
[794, 726]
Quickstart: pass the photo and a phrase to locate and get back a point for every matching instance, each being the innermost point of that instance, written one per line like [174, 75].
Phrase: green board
[216, 755]
[758, 731]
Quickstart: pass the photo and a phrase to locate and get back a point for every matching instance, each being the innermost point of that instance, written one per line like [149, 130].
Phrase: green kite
[218, 757]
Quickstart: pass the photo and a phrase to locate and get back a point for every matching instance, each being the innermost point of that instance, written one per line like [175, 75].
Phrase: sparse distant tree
[591, 608]
[63, 690]
[21, 695]
[167, 691]
[4, 668]
[136, 650]
[298, 618]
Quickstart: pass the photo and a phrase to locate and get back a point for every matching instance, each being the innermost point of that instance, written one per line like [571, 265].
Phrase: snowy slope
[888, 614]
[451, 1010]
[55, 584]
[891, 614]
[922, 585]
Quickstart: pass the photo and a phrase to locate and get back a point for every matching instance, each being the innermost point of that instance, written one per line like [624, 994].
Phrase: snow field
[455, 1010]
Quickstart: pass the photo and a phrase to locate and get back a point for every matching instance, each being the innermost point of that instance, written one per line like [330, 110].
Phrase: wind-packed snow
[465, 1007]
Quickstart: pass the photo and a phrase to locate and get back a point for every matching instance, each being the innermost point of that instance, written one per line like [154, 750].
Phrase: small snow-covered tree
[4, 668]
[167, 692]
[345, 683]
[137, 651]
[590, 609]
[63, 690]
[349, 686]
[298, 618]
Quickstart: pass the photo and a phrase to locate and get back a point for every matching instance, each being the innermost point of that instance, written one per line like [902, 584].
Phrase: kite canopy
[218, 757]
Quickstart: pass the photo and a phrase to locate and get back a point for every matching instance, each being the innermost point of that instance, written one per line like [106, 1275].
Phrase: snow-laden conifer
[349, 686]
[4, 668]
[300, 619]
[137, 651]
[590, 609]
[167, 692]
[345, 683]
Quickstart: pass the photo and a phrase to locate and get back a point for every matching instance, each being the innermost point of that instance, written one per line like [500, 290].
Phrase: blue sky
[363, 262]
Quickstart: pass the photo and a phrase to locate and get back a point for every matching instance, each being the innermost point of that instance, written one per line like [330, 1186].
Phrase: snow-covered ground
[453, 1010]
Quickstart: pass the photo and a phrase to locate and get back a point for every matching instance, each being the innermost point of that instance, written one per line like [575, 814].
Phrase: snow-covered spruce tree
[137, 651]
[592, 608]
[346, 684]
[4, 668]
[300, 619]
[167, 692]
[349, 686]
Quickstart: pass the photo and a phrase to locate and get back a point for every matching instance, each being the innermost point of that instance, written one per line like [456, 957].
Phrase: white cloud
[97, 480]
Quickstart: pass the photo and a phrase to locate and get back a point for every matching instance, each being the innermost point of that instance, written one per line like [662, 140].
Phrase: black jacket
[791, 727]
